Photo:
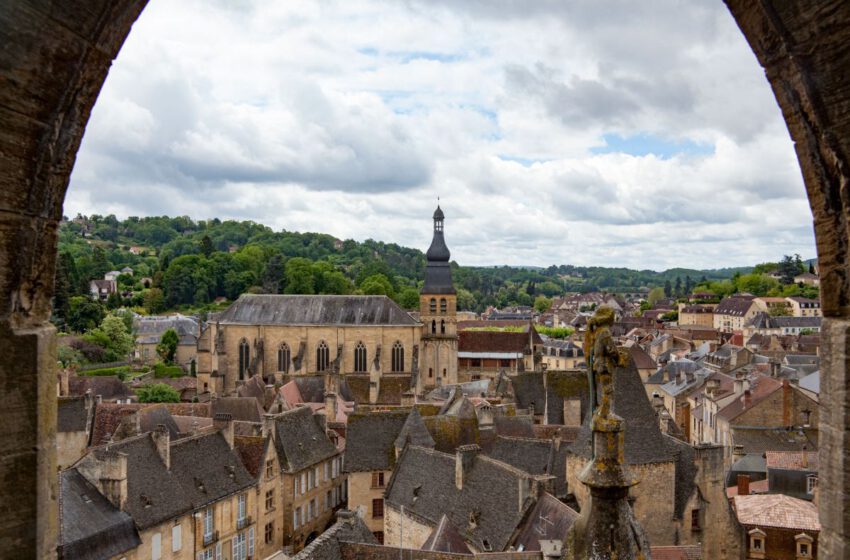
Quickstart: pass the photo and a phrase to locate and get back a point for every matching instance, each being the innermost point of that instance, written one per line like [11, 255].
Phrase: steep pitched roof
[641, 358]
[644, 442]
[736, 306]
[533, 456]
[252, 452]
[445, 538]
[154, 494]
[266, 309]
[550, 519]
[760, 388]
[242, 409]
[349, 528]
[370, 440]
[108, 416]
[72, 414]
[414, 432]
[424, 483]
[776, 510]
[89, 525]
[300, 441]
[109, 387]
[515, 426]
[207, 468]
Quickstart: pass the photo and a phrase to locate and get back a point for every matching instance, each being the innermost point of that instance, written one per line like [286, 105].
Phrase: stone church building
[363, 338]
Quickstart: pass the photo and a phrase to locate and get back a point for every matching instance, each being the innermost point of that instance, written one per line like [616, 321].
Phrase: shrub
[158, 393]
[161, 370]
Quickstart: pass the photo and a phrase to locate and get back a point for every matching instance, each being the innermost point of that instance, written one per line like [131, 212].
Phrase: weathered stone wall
[782, 408]
[360, 496]
[70, 446]
[414, 532]
[186, 552]
[654, 497]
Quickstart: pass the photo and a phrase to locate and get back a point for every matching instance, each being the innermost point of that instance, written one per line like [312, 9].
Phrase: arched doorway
[56, 56]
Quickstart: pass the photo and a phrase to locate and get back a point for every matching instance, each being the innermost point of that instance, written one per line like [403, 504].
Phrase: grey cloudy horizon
[613, 133]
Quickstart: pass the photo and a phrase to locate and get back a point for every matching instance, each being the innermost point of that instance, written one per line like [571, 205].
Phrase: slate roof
[90, 527]
[108, 416]
[299, 440]
[242, 409]
[370, 440]
[776, 510]
[349, 528]
[641, 358]
[644, 442]
[516, 426]
[760, 388]
[109, 387]
[533, 456]
[445, 538]
[424, 483]
[207, 468]
[760, 440]
[528, 389]
[680, 552]
[155, 415]
[792, 460]
[811, 382]
[72, 414]
[549, 519]
[414, 432]
[736, 306]
[155, 325]
[154, 494]
[750, 463]
[494, 341]
[252, 452]
[450, 432]
[267, 309]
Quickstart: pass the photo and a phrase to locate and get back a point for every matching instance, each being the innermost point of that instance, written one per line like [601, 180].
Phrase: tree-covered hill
[191, 264]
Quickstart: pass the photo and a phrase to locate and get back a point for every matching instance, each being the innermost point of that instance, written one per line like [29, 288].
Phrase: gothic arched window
[360, 358]
[443, 305]
[442, 327]
[398, 357]
[244, 358]
[322, 356]
[284, 357]
[433, 305]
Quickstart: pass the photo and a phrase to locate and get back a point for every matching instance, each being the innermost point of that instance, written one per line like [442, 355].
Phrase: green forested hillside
[191, 264]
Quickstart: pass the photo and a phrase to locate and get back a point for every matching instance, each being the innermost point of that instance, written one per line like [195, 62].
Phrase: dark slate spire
[438, 274]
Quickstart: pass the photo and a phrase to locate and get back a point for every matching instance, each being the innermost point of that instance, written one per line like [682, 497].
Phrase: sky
[638, 134]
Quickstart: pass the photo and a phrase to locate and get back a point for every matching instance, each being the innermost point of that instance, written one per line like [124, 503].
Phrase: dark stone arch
[56, 56]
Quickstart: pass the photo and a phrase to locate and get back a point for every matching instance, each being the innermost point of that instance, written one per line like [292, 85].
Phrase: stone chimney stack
[268, 425]
[223, 423]
[64, 388]
[748, 399]
[162, 440]
[787, 404]
[113, 477]
[464, 458]
[743, 485]
[330, 406]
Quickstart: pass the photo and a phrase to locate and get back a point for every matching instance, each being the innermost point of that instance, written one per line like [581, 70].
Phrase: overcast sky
[638, 134]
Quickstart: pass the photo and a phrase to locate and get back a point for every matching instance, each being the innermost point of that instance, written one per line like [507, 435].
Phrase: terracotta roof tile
[776, 510]
[792, 460]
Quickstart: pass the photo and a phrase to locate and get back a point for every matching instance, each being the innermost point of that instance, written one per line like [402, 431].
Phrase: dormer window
[811, 483]
[804, 546]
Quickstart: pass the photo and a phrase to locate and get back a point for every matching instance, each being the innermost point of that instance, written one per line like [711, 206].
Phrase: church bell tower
[438, 313]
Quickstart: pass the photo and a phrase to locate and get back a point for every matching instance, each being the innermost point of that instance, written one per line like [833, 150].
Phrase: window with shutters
[176, 538]
[377, 508]
[322, 356]
[327, 471]
[206, 554]
[156, 546]
[284, 358]
[398, 357]
[208, 525]
[241, 509]
[316, 478]
[360, 358]
[377, 480]
[303, 483]
[296, 517]
[240, 547]
[251, 542]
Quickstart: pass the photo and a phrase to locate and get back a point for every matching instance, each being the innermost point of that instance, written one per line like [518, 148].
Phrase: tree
[668, 289]
[789, 267]
[113, 301]
[158, 393]
[207, 248]
[811, 268]
[677, 289]
[85, 313]
[409, 298]
[377, 285]
[655, 294]
[465, 300]
[689, 285]
[542, 304]
[167, 346]
[154, 301]
[299, 276]
[272, 278]
[112, 335]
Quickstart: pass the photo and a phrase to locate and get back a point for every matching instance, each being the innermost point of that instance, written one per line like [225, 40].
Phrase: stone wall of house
[360, 496]
[166, 533]
[654, 497]
[782, 408]
[700, 319]
[296, 537]
[225, 513]
[397, 527]
[269, 482]
[70, 446]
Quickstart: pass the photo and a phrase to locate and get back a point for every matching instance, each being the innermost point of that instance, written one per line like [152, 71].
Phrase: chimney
[787, 398]
[743, 485]
[98, 399]
[64, 389]
[268, 425]
[464, 457]
[748, 399]
[223, 422]
[330, 406]
[774, 368]
[89, 400]
[805, 459]
[162, 440]
[113, 477]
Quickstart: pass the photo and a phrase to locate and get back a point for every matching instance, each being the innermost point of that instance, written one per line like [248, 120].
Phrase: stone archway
[55, 57]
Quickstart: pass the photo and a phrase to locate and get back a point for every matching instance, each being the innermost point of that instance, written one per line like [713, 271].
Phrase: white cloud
[352, 117]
